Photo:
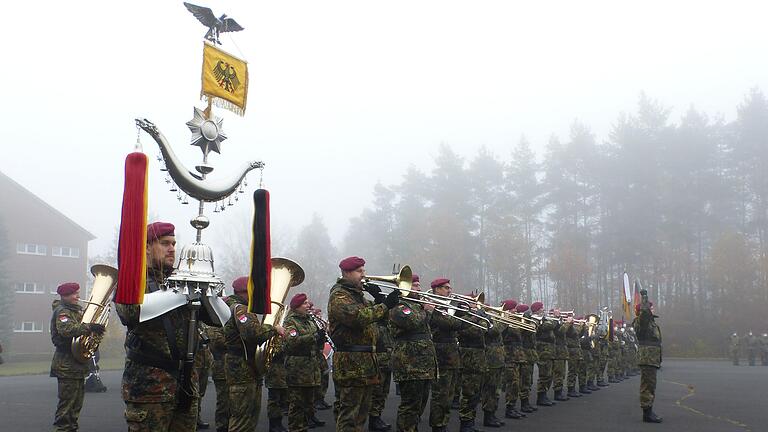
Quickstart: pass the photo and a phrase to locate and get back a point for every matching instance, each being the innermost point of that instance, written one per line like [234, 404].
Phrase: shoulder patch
[293, 333]
[407, 310]
[63, 318]
[242, 318]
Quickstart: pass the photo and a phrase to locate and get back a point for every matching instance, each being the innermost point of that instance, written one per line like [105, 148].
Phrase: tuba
[285, 275]
[97, 311]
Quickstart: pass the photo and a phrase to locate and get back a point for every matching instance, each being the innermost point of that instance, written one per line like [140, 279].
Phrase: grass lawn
[44, 367]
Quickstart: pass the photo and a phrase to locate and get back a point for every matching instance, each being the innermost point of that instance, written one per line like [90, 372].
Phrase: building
[44, 249]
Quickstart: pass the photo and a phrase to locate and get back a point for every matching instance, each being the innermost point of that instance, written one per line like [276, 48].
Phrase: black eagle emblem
[226, 76]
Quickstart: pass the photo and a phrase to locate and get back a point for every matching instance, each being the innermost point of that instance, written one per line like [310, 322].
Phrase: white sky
[345, 94]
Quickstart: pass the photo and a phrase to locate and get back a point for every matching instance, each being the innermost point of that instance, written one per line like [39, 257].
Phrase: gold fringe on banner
[224, 79]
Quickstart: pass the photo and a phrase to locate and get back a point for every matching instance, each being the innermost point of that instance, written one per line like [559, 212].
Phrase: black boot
[650, 417]
[543, 400]
[202, 425]
[438, 429]
[573, 393]
[592, 387]
[584, 390]
[272, 424]
[312, 419]
[468, 426]
[321, 405]
[612, 379]
[560, 396]
[601, 383]
[512, 413]
[376, 424]
[526, 407]
[490, 420]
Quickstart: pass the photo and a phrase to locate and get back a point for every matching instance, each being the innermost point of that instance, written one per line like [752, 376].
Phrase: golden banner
[225, 79]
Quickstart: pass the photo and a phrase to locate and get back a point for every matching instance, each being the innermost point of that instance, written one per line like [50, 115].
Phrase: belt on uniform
[471, 345]
[298, 355]
[450, 340]
[413, 337]
[493, 344]
[236, 350]
[218, 354]
[168, 365]
[513, 344]
[650, 343]
[355, 348]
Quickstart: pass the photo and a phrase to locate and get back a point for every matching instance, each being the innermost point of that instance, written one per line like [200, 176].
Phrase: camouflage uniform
[473, 369]
[648, 356]
[494, 355]
[545, 346]
[751, 348]
[526, 369]
[243, 333]
[352, 321]
[383, 358]
[414, 362]
[218, 346]
[274, 380]
[515, 359]
[594, 348]
[603, 358]
[150, 379]
[302, 373]
[203, 369]
[325, 373]
[734, 349]
[70, 373]
[444, 329]
[764, 349]
[585, 364]
[575, 355]
[559, 360]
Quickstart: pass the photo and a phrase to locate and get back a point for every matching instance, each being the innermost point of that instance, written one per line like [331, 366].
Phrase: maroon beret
[156, 230]
[351, 263]
[439, 282]
[522, 307]
[640, 305]
[537, 306]
[298, 300]
[579, 318]
[509, 304]
[240, 284]
[415, 278]
[67, 288]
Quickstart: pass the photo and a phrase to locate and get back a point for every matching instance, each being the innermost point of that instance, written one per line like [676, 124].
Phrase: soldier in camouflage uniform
[473, 368]
[494, 356]
[243, 333]
[414, 362]
[603, 357]
[325, 370]
[277, 388]
[735, 348]
[560, 359]
[594, 378]
[545, 346]
[150, 386]
[514, 359]
[649, 355]
[70, 373]
[573, 332]
[526, 369]
[218, 346]
[444, 331]
[381, 392]
[751, 348]
[585, 364]
[764, 349]
[303, 376]
[351, 320]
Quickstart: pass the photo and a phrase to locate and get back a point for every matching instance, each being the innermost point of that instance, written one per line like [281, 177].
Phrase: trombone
[403, 281]
[510, 319]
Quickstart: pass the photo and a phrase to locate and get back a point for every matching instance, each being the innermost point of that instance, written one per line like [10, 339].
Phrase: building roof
[13, 183]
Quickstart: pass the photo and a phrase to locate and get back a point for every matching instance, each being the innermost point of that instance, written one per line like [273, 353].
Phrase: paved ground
[700, 396]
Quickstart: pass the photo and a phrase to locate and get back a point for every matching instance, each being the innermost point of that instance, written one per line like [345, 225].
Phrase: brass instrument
[96, 312]
[511, 319]
[286, 274]
[403, 280]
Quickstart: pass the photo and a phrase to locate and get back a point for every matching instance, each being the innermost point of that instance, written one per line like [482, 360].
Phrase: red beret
[415, 278]
[439, 282]
[537, 306]
[298, 300]
[509, 304]
[67, 288]
[156, 230]
[579, 318]
[522, 307]
[351, 263]
[240, 284]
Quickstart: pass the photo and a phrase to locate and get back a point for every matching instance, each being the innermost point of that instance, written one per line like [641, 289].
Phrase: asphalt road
[700, 396]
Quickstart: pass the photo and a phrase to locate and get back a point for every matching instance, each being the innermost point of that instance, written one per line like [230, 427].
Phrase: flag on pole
[225, 79]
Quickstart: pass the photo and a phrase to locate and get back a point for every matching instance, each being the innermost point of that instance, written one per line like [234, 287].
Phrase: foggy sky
[345, 94]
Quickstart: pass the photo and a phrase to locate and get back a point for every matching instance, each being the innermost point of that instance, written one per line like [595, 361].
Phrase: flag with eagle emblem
[225, 79]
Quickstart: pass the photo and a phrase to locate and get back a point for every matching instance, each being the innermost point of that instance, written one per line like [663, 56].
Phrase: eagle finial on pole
[215, 25]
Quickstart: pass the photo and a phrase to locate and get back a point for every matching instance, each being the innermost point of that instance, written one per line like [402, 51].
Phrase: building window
[64, 251]
[28, 327]
[29, 288]
[31, 249]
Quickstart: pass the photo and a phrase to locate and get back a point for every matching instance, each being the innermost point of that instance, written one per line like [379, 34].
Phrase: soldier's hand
[644, 292]
[320, 337]
[429, 307]
[280, 330]
[392, 299]
[372, 289]
[97, 329]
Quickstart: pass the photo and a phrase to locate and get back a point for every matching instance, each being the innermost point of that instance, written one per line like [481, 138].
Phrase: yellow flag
[225, 79]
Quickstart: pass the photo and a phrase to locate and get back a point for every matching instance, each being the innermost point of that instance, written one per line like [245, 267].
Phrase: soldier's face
[162, 252]
[72, 298]
[444, 290]
[355, 276]
[304, 308]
